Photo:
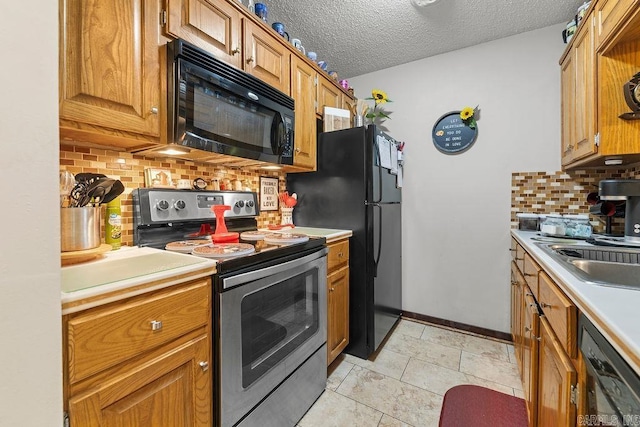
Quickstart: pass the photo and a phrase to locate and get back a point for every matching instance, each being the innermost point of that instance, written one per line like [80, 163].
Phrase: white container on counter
[553, 225]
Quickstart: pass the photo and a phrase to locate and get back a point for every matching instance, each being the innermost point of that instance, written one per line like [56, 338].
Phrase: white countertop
[614, 311]
[125, 269]
[328, 233]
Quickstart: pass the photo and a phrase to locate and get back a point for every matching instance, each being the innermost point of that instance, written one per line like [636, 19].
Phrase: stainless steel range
[269, 315]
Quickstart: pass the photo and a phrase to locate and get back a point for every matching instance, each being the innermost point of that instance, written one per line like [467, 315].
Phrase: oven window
[275, 321]
[222, 116]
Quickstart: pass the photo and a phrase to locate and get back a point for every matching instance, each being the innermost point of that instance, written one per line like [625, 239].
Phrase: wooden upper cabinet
[212, 25]
[109, 56]
[609, 15]
[578, 81]
[328, 95]
[585, 94]
[603, 55]
[266, 57]
[568, 95]
[303, 87]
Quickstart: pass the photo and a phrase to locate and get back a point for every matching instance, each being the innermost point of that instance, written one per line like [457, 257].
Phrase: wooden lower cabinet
[545, 336]
[151, 360]
[517, 306]
[530, 350]
[337, 298]
[172, 389]
[557, 378]
[338, 313]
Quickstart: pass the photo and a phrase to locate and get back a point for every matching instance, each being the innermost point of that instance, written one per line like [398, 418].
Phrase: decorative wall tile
[129, 168]
[563, 193]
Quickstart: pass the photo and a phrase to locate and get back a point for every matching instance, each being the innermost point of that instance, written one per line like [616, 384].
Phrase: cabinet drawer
[338, 255]
[609, 14]
[103, 337]
[531, 271]
[560, 312]
[519, 257]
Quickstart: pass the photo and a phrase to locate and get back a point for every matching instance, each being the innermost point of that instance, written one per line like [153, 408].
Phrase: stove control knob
[162, 205]
[179, 205]
[249, 203]
[239, 203]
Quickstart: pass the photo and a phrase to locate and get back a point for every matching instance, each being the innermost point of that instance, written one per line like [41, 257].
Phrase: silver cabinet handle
[545, 305]
[154, 110]
[204, 365]
[156, 325]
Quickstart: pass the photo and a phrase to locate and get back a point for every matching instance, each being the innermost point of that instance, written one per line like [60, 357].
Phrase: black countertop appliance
[355, 188]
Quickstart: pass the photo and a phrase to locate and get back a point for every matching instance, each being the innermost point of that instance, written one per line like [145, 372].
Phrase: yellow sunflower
[466, 113]
[379, 96]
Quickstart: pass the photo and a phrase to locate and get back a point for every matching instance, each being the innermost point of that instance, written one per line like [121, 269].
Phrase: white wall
[30, 333]
[456, 207]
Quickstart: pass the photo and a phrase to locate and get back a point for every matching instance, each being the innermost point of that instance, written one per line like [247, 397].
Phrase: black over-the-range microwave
[215, 107]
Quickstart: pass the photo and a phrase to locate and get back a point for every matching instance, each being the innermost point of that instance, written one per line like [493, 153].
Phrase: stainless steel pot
[79, 228]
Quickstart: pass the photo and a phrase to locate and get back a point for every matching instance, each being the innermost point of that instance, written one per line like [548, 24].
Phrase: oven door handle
[250, 276]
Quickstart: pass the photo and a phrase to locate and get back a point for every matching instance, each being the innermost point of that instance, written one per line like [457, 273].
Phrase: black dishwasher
[613, 388]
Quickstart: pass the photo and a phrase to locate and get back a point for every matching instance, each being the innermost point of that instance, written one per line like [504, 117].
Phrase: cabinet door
[109, 56]
[517, 303]
[337, 313]
[303, 88]
[556, 377]
[328, 95]
[585, 106]
[173, 389]
[609, 14]
[568, 94]
[266, 57]
[530, 331]
[213, 25]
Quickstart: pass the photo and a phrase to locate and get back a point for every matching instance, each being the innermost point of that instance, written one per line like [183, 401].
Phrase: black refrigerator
[355, 188]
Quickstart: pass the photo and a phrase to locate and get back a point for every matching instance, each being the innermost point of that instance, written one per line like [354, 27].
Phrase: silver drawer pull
[156, 325]
[204, 365]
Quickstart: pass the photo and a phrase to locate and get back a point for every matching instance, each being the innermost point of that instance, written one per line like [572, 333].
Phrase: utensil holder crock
[287, 216]
[79, 228]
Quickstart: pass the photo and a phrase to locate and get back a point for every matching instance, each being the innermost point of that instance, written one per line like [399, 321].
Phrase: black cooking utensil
[78, 194]
[116, 189]
[87, 177]
[98, 188]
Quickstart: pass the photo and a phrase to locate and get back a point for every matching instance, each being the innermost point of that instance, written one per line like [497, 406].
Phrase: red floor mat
[471, 405]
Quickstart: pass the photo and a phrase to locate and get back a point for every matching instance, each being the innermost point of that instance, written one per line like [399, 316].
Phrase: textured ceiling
[357, 37]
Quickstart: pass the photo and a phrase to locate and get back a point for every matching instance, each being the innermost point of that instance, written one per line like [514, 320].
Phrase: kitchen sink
[606, 266]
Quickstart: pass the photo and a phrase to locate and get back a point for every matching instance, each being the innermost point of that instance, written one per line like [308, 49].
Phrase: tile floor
[405, 384]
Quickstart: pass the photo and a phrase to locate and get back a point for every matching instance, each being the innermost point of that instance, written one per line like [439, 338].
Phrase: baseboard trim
[457, 325]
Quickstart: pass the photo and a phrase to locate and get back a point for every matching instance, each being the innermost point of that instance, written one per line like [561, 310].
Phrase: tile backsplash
[129, 168]
[563, 192]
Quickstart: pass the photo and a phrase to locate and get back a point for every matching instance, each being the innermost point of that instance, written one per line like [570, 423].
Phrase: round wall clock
[451, 135]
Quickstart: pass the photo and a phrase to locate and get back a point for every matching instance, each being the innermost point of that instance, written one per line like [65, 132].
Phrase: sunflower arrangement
[378, 114]
[469, 116]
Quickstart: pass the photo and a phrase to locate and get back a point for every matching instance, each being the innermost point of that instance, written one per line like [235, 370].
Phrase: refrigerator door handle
[377, 155]
[376, 260]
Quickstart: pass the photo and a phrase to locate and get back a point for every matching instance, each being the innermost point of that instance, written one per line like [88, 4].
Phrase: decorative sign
[451, 135]
[268, 194]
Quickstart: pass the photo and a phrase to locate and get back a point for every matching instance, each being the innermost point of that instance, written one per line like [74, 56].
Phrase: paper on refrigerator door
[384, 151]
[394, 159]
